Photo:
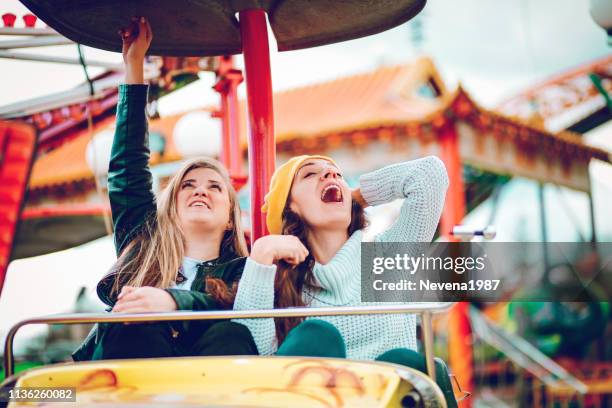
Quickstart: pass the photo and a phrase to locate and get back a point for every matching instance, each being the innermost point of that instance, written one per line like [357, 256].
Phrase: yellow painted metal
[236, 381]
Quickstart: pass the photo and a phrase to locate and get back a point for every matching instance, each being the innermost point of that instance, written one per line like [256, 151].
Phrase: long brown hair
[291, 279]
[154, 257]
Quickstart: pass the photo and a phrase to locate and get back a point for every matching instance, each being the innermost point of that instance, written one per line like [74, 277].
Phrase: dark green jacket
[133, 207]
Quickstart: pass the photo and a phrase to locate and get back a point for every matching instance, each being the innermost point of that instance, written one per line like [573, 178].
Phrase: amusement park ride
[190, 33]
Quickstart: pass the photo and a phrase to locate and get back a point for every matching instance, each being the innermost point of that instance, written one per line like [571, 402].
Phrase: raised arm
[129, 178]
[422, 183]
[130, 186]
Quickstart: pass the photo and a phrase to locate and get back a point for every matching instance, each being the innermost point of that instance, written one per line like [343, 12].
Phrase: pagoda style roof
[564, 100]
[389, 94]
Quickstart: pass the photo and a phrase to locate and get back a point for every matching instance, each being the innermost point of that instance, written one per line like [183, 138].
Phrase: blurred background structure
[522, 89]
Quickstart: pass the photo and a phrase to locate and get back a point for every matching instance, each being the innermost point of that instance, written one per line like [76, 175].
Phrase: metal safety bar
[425, 310]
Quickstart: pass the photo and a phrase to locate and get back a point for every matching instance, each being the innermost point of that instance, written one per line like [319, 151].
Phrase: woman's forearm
[403, 179]
[134, 73]
[129, 178]
[256, 291]
[422, 184]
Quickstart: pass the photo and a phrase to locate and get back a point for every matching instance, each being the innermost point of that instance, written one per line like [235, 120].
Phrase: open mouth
[332, 194]
[199, 204]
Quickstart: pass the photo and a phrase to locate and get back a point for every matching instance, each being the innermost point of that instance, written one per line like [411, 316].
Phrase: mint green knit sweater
[422, 184]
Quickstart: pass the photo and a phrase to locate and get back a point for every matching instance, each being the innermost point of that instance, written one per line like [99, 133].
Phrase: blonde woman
[185, 253]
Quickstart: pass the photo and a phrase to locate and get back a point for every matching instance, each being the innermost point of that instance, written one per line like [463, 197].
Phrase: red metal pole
[235, 155]
[225, 127]
[460, 343]
[454, 210]
[228, 79]
[262, 154]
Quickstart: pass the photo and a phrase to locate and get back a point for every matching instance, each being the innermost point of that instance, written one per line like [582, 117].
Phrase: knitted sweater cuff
[383, 185]
[395, 181]
[256, 275]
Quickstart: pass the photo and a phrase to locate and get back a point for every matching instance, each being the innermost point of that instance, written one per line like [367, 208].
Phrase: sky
[494, 48]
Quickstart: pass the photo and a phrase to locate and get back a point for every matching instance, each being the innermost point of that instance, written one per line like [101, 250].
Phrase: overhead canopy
[210, 27]
[57, 229]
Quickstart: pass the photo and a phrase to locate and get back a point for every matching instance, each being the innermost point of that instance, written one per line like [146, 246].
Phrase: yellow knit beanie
[280, 185]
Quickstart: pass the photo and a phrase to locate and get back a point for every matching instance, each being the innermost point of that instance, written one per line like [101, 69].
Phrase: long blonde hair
[154, 257]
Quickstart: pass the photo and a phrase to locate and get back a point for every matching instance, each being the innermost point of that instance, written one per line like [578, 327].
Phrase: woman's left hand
[146, 299]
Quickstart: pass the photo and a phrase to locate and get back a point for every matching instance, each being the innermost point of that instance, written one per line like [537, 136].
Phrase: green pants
[317, 338]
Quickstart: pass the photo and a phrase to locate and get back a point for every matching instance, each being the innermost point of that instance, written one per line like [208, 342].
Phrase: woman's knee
[137, 331]
[228, 330]
[316, 338]
[134, 341]
[319, 328]
[224, 339]
[412, 359]
[403, 356]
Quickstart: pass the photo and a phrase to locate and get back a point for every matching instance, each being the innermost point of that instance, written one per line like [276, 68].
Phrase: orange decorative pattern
[559, 94]
[17, 144]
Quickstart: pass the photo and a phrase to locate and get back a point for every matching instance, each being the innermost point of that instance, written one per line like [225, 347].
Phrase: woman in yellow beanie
[316, 222]
[312, 257]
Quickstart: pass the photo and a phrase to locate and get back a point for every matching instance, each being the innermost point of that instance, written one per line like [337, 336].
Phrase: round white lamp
[198, 134]
[601, 11]
[98, 151]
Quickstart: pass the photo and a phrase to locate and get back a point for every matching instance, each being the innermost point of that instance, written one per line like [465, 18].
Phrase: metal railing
[425, 310]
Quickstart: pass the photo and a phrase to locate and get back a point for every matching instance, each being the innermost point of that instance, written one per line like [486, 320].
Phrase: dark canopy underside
[39, 236]
[210, 27]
